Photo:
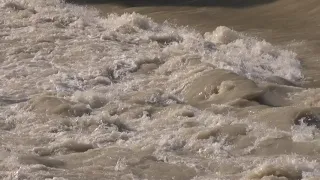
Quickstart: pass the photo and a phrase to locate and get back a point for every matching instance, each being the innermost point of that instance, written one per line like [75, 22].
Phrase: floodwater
[159, 90]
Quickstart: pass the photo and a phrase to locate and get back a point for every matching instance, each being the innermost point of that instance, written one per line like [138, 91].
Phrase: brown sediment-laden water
[159, 90]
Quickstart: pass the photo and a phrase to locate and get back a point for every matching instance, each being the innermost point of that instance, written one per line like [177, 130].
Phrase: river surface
[159, 90]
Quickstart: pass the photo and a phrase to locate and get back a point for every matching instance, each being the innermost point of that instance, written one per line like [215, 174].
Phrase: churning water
[88, 95]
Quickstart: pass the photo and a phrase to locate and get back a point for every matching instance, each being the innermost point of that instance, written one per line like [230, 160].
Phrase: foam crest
[285, 167]
[255, 59]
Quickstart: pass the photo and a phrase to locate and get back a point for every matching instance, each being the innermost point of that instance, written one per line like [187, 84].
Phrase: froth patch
[95, 100]
[166, 38]
[231, 131]
[56, 178]
[276, 173]
[222, 35]
[250, 57]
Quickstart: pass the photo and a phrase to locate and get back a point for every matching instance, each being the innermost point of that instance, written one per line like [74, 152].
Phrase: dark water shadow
[197, 3]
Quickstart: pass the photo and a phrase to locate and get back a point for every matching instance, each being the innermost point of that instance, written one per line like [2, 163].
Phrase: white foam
[287, 166]
[66, 39]
[250, 57]
[303, 133]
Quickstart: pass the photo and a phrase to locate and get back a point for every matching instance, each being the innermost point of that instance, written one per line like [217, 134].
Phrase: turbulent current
[85, 96]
